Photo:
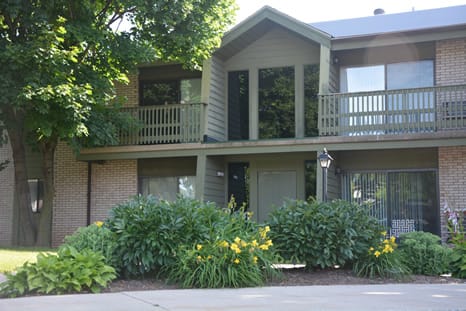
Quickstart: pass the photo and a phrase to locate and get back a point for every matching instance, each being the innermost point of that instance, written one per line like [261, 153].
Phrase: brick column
[452, 181]
[450, 62]
[70, 201]
[450, 65]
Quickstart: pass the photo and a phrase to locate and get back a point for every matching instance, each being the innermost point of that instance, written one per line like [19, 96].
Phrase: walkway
[409, 297]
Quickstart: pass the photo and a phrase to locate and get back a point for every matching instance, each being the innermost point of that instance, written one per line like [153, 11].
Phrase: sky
[323, 10]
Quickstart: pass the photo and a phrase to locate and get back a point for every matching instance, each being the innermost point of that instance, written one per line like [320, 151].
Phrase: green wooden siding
[215, 185]
[216, 114]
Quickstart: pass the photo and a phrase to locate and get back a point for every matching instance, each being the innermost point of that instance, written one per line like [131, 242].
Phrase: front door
[273, 188]
[238, 183]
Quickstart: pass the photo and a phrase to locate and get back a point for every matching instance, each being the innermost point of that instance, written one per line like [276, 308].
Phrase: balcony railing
[416, 110]
[165, 124]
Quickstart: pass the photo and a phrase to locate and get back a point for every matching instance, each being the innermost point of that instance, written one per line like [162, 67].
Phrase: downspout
[89, 192]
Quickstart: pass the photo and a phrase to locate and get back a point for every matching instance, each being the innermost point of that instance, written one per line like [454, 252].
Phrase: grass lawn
[11, 258]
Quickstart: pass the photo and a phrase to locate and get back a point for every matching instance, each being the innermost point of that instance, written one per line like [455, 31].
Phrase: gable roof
[390, 23]
[259, 23]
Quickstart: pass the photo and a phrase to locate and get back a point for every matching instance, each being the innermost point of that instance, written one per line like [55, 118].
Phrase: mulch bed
[294, 277]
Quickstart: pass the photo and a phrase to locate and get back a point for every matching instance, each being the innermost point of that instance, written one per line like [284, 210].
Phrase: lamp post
[325, 160]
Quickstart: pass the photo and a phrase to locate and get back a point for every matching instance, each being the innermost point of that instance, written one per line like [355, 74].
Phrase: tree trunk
[44, 237]
[26, 230]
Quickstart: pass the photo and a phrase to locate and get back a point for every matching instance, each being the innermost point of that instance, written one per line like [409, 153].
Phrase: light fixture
[325, 160]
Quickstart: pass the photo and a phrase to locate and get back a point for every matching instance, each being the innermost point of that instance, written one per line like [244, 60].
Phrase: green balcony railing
[418, 110]
[165, 124]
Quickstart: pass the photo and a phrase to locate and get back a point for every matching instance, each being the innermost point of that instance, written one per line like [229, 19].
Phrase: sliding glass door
[403, 201]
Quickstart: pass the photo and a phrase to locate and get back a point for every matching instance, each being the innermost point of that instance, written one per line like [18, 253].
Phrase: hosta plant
[67, 272]
[95, 237]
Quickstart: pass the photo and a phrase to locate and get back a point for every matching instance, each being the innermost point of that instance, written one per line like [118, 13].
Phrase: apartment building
[384, 94]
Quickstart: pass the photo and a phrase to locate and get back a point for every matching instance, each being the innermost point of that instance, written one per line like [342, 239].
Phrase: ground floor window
[403, 201]
[168, 188]
[310, 173]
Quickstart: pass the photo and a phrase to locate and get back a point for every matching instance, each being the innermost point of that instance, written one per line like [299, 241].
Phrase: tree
[60, 60]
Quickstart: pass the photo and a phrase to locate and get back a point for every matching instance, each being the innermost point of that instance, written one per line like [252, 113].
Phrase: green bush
[322, 234]
[97, 238]
[381, 260]
[68, 271]
[458, 260]
[422, 253]
[227, 261]
[149, 231]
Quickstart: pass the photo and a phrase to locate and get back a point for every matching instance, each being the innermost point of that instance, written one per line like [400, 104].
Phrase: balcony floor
[416, 140]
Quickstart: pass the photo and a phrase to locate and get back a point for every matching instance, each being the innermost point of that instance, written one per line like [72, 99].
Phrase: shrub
[458, 238]
[97, 238]
[422, 253]
[322, 234]
[382, 260]
[458, 260]
[244, 260]
[68, 271]
[149, 231]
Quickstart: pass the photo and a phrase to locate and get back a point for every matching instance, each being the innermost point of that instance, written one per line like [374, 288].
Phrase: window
[403, 201]
[168, 188]
[409, 106]
[361, 109]
[238, 105]
[36, 189]
[310, 174]
[276, 103]
[170, 92]
[311, 101]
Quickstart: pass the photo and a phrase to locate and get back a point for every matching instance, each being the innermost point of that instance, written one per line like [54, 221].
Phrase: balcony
[418, 110]
[165, 124]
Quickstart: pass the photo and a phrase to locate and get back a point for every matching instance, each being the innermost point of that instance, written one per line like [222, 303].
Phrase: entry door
[273, 188]
[237, 183]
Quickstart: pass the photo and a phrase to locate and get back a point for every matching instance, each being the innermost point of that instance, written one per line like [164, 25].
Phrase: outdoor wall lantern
[325, 160]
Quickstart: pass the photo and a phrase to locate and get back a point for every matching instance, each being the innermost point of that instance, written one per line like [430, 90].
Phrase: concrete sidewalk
[412, 297]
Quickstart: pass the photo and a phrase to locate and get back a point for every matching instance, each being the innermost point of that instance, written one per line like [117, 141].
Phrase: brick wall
[450, 62]
[113, 182]
[451, 70]
[452, 180]
[70, 201]
[130, 91]
[7, 179]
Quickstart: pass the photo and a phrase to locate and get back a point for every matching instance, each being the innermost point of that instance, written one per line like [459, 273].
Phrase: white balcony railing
[428, 109]
[165, 124]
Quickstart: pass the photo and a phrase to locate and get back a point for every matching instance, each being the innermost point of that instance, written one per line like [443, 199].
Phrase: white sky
[323, 10]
